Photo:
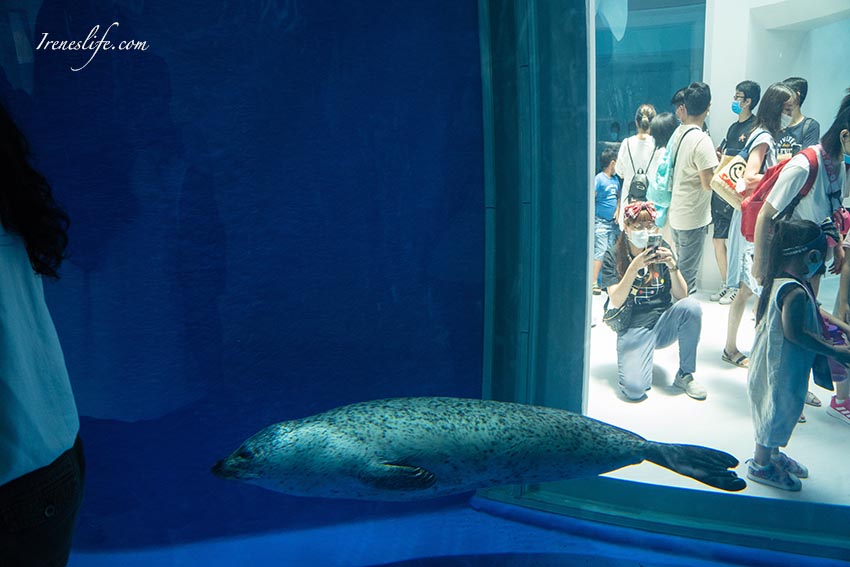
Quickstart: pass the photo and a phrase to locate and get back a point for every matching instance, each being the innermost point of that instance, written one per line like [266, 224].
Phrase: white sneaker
[729, 297]
[720, 294]
[773, 475]
[686, 382]
[840, 411]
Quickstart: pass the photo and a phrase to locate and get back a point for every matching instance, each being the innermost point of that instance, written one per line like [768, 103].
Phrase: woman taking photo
[647, 275]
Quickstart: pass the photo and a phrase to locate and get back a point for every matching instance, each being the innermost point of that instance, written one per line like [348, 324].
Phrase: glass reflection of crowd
[665, 174]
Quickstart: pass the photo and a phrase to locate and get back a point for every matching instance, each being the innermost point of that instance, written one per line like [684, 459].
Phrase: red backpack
[751, 205]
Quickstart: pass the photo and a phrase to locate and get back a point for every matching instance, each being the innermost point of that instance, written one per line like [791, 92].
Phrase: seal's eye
[245, 454]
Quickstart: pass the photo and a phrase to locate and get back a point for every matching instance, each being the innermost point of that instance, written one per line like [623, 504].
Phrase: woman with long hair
[831, 185]
[760, 152]
[41, 459]
[645, 273]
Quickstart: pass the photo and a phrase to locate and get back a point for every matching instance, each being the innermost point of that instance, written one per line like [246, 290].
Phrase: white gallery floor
[722, 420]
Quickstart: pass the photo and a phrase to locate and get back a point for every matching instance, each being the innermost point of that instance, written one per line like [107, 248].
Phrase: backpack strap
[812, 157]
[652, 155]
[671, 167]
[749, 146]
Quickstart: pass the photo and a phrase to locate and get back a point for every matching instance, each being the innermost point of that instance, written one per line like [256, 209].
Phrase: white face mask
[784, 121]
[639, 238]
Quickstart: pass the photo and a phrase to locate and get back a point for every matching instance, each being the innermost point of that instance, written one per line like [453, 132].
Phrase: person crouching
[641, 268]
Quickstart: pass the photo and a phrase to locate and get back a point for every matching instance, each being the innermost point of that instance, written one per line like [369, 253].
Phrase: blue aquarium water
[277, 208]
[456, 535]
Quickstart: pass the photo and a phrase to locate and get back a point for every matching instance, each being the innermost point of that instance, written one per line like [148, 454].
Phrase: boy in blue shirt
[607, 198]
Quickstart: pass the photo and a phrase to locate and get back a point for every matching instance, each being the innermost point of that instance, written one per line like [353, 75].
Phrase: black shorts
[38, 512]
[721, 216]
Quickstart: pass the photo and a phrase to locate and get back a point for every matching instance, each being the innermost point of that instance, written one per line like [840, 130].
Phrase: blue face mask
[736, 106]
[812, 266]
[847, 159]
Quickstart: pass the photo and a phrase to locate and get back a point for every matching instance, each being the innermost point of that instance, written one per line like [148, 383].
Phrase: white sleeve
[789, 183]
[622, 157]
[763, 138]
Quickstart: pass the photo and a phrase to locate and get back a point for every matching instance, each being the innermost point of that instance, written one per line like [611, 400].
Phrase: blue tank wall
[277, 209]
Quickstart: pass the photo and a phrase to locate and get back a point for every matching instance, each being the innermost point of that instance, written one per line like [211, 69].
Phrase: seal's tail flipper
[708, 466]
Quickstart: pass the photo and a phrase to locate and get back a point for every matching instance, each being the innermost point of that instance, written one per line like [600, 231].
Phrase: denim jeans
[605, 233]
[38, 512]
[689, 248]
[681, 322]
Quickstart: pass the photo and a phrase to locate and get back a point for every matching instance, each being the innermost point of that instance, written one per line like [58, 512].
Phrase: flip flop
[741, 361]
[812, 400]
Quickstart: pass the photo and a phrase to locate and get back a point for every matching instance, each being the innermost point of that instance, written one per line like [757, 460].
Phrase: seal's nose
[218, 469]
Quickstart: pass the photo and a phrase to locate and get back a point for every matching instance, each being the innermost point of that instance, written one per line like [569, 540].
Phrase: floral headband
[633, 210]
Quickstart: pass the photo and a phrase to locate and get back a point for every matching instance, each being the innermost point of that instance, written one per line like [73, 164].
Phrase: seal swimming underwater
[418, 448]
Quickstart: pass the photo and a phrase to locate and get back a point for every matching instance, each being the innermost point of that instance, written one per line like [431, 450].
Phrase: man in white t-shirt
[690, 205]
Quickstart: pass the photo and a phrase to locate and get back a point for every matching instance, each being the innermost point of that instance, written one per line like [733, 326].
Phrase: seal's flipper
[708, 466]
[392, 476]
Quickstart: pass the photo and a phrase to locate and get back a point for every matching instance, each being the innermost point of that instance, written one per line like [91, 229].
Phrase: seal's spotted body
[417, 448]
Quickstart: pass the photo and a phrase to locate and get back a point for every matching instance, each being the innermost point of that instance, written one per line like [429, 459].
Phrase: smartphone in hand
[654, 241]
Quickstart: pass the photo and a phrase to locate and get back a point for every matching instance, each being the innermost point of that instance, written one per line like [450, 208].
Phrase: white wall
[739, 46]
[725, 64]
[759, 40]
[821, 62]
